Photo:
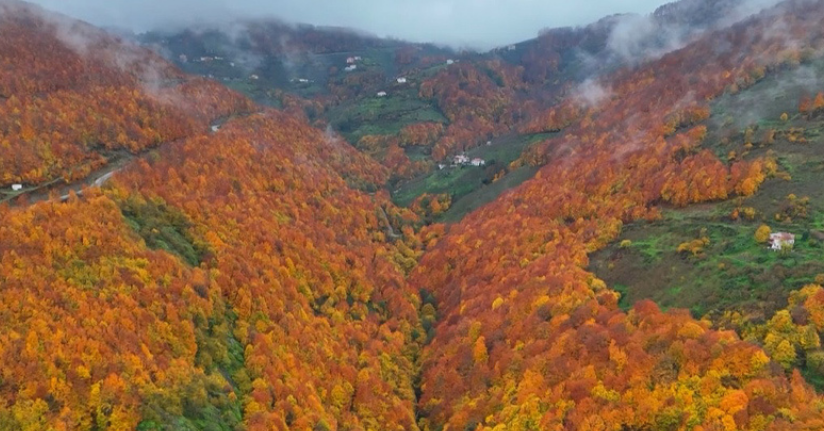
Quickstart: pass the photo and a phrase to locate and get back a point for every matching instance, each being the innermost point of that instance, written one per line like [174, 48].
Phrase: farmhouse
[350, 68]
[381, 94]
[450, 62]
[401, 80]
[460, 159]
[781, 240]
[254, 77]
[17, 187]
[478, 162]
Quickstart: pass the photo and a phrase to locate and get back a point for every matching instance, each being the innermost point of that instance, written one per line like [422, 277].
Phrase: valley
[295, 227]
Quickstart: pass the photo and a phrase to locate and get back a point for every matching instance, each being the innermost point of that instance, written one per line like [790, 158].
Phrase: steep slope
[243, 278]
[228, 280]
[527, 338]
[71, 96]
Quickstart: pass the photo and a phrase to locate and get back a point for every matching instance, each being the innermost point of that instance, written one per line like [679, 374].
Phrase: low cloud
[591, 93]
[459, 23]
[636, 38]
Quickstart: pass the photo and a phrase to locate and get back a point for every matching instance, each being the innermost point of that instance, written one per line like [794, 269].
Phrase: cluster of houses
[351, 63]
[183, 58]
[204, 59]
[399, 80]
[781, 240]
[463, 160]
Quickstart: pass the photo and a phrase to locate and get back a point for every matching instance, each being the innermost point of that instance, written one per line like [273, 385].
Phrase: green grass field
[733, 272]
[471, 186]
[382, 116]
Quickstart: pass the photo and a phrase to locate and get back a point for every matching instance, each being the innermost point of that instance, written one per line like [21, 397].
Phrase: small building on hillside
[350, 68]
[460, 159]
[450, 62]
[402, 80]
[781, 240]
[254, 77]
[16, 187]
[350, 60]
[381, 94]
[478, 162]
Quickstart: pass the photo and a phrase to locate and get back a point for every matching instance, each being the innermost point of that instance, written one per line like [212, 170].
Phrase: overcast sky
[474, 23]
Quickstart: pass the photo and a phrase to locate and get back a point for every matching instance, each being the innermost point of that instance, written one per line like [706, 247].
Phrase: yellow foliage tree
[762, 234]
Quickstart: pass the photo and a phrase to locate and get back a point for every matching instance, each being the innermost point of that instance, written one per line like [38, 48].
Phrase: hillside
[448, 102]
[74, 98]
[279, 263]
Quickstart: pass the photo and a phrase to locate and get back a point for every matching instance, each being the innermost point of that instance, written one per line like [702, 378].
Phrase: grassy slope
[382, 115]
[469, 186]
[734, 271]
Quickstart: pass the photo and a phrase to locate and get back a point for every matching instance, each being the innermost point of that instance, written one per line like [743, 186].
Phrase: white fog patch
[591, 93]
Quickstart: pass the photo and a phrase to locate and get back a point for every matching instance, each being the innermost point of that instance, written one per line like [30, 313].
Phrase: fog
[479, 24]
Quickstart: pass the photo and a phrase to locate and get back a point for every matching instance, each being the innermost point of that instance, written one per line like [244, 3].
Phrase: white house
[779, 240]
[17, 187]
[460, 159]
[381, 94]
[441, 165]
[450, 62]
[215, 128]
[350, 68]
[350, 60]
[478, 162]
[401, 80]
[303, 81]
[254, 77]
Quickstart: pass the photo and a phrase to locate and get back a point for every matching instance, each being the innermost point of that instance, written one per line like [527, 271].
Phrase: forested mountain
[302, 252]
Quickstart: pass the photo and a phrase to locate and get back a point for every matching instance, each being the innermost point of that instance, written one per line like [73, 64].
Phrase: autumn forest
[185, 250]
